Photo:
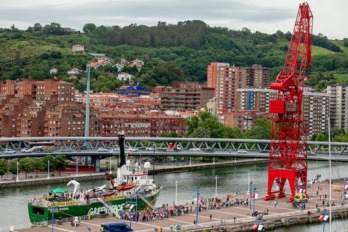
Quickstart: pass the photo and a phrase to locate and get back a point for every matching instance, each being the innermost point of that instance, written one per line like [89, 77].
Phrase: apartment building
[255, 77]
[227, 79]
[183, 96]
[152, 124]
[338, 105]
[314, 111]
[24, 105]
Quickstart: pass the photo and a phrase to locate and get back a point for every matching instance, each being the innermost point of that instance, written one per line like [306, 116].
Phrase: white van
[9, 151]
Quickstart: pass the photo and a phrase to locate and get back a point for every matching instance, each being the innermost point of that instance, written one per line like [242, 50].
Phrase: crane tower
[288, 148]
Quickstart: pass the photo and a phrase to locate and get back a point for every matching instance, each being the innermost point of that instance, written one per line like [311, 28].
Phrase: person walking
[275, 203]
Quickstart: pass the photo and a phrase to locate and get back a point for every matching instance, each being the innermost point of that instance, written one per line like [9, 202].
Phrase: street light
[216, 186]
[248, 183]
[176, 192]
[48, 169]
[110, 166]
[250, 194]
[153, 166]
[52, 213]
[253, 197]
[77, 166]
[17, 178]
[196, 222]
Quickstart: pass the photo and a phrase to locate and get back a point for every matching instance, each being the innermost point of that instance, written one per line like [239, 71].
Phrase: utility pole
[196, 222]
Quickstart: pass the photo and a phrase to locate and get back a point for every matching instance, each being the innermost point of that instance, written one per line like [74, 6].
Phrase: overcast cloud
[266, 16]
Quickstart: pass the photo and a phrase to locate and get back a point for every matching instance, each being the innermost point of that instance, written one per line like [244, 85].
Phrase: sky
[267, 16]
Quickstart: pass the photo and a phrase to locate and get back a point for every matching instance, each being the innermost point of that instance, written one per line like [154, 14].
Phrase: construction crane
[288, 148]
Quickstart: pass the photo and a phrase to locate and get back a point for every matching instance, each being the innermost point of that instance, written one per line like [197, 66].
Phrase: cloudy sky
[268, 16]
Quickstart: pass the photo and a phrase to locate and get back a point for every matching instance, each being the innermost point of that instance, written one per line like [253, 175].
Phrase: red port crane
[288, 148]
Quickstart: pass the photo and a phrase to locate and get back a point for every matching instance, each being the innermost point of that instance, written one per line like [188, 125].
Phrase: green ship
[132, 189]
[46, 208]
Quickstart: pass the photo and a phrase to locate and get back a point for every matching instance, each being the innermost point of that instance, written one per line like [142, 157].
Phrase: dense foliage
[171, 52]
[27, 165]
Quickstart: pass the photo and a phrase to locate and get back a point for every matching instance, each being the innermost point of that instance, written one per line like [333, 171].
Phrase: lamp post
[253, 197]
[176, 192]
[248, 185]
[48, 169]
[77, 166]
[250, 189]
[154, 158]
[110, 166]
[196, 222]
[17, 178]
[52, 215]
[216, 186]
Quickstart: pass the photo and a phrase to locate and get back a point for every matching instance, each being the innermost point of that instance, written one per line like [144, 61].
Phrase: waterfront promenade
[231, 218]
[281, 215]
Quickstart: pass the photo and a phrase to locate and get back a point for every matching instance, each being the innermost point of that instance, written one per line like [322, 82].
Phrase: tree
[37, 27]
[60, 162]
[3, 167]
[39, 165]
[12, 167]
[52, 164]
[26, 164]
[200, 132]
[261, 129]
[89, 27]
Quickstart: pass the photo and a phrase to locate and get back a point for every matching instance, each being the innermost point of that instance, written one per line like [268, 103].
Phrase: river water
[13, 203]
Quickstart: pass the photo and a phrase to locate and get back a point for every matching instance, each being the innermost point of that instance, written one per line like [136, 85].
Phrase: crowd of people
[166, 211]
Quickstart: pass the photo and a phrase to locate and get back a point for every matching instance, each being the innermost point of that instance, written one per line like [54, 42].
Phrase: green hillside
[171, 53]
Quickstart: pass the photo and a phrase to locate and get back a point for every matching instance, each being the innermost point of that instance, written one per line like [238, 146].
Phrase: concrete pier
[231, 218]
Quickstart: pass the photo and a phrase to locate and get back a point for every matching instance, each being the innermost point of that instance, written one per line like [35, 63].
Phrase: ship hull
[40, 213]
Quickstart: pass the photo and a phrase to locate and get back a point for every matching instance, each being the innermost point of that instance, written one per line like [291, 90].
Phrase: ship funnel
[121, 145]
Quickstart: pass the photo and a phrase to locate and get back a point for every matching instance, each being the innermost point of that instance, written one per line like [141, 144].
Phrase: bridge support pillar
[96, 163]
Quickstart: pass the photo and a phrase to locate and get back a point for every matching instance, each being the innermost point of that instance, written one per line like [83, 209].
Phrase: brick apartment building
[49, 108]
[184, 96]
[145, 125]
[25, 104]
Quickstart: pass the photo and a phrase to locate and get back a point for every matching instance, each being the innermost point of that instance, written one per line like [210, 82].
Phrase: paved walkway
[232, 215]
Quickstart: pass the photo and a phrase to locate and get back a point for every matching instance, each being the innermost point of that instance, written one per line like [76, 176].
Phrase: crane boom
[288, 149]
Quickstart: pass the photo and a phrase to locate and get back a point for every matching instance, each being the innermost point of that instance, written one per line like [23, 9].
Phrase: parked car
[151, 148]
[115, 227]
[195, 149]
[9, 151]
[132, 149]
[242, 151]
[102, 149]
[26, 150]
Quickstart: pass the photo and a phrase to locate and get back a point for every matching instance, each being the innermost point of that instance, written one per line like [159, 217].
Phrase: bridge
[99, 147]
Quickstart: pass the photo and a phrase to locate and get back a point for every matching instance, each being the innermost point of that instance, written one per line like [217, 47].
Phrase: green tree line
[171, 52]
[27, 165]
